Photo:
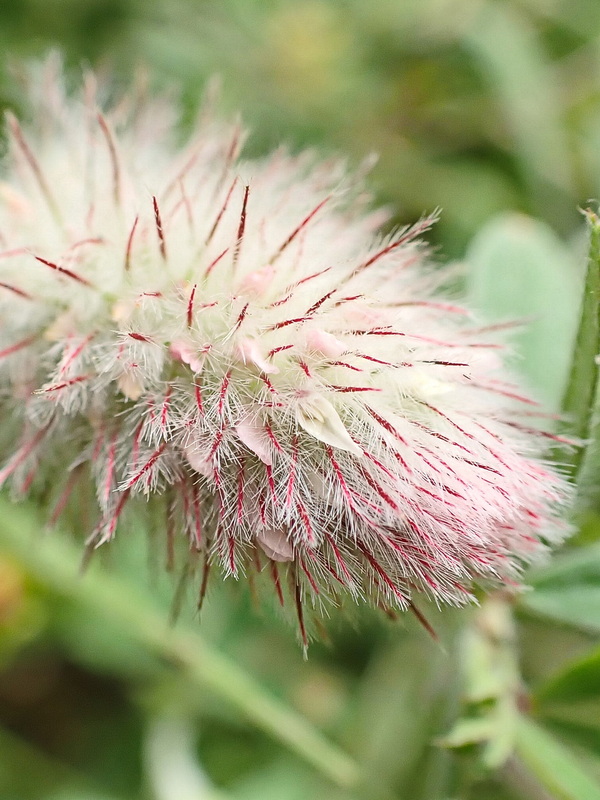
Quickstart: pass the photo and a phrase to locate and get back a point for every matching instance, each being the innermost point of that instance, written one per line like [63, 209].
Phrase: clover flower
[234, 343]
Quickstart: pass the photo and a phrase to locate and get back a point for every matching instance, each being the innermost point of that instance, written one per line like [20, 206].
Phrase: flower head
[233, 342]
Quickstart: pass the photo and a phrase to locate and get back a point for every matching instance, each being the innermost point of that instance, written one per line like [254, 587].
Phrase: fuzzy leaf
[519, 269]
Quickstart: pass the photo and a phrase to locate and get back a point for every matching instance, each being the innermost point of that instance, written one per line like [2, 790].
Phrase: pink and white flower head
[233, 342]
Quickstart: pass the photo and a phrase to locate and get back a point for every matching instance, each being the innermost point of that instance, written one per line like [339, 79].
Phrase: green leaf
[580, 395]
[25, 768]
[580, 566]
[282, 779]
[579, 680]
[584, 735]
[510, 54]
[519, 269]
[554, 766]
[577, 606]
[399, 705]
[567, 590]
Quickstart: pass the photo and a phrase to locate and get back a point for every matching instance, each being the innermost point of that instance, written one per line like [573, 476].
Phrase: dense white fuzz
[235, 338]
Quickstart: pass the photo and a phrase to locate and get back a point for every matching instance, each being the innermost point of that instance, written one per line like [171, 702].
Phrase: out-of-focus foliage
[489, 109]
[476, 106]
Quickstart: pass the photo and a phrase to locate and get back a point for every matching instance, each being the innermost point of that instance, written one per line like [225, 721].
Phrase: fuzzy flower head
[233, 343]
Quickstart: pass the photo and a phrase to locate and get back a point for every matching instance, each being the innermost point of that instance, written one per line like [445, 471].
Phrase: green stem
[54, 562]
[580, 394]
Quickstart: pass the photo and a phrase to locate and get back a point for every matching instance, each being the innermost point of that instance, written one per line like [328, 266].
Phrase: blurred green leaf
[564, 570]
[517, 67]
[399, 704]
[519, 269]
[583, 735]
[556, 768]
[282, 780]
[578, 606]
[579, 680]
[74, 795]
[104, 648]
[567, 590]
[25, 771]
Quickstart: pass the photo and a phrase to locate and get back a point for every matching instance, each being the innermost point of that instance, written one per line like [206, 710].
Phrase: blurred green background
[491, 111]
